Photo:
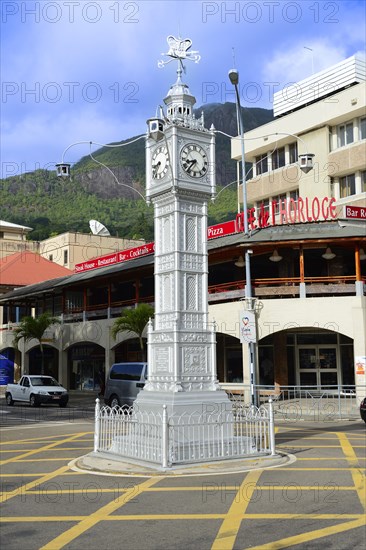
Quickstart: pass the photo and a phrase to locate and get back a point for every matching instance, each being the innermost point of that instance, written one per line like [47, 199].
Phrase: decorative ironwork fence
[187, 438]
[317, 403]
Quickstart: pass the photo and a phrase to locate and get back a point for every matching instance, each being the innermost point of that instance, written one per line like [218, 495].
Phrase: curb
[99, 464]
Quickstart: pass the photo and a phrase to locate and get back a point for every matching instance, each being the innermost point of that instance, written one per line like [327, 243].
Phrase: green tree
[134, 320]
[34, 328]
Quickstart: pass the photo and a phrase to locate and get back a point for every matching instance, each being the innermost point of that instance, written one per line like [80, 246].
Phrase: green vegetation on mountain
[52, 205]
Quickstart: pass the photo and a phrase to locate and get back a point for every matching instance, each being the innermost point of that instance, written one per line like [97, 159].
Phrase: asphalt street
[317, 499]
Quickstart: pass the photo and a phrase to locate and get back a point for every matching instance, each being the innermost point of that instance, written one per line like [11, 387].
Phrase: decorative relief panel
[164, 263]
[191, 293]
[191, 234]
[192, 262]
[194, 360]
[167, 292]
[162, 359]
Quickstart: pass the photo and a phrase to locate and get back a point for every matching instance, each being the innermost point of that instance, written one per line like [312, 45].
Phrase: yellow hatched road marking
[40, 450]
[45, 459]
[97, 516]
[357, 476]
[317, 446]
[154, 517]
[46, 450]
[100, 490]
[228, 531]
[44, 439]
[34, 483]
[21, 490]
[311, 535]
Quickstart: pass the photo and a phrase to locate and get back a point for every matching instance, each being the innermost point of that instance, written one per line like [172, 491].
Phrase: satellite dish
[98, 228]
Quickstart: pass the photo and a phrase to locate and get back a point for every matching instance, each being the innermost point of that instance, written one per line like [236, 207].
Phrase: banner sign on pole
[248, 331]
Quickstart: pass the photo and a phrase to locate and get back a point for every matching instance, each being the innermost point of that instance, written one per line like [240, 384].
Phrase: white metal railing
[318, 403]
[187, 438]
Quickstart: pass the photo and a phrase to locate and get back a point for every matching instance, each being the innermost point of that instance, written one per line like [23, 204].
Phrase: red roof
[27, 268]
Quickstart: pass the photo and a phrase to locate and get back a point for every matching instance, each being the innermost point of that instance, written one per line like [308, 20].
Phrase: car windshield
[44, 381]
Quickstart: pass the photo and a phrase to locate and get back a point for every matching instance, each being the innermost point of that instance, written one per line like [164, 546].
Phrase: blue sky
[81, 70]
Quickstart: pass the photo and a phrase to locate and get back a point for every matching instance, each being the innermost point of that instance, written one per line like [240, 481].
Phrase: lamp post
[234, 79]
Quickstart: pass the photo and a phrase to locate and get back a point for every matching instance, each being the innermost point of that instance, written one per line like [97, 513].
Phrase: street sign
[248, 331]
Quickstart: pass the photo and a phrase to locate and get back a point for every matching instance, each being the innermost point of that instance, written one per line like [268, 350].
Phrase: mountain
[93, 192]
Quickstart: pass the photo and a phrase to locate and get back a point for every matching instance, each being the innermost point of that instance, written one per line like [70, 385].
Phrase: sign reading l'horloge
[283, 211]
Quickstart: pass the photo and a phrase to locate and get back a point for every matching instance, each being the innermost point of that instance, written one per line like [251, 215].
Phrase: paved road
[81, 407]
[319, 499]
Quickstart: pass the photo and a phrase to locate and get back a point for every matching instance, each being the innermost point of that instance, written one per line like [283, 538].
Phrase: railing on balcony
[234, 290]
[285, 286]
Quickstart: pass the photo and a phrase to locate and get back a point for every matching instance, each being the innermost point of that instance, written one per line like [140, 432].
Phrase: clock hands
[191, 163]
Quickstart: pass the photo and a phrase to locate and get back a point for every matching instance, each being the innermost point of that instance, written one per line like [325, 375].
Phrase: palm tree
[34, 328]
[134, 320]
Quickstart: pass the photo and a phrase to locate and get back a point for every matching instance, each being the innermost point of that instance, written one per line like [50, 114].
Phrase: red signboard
[116, 257]
[222, 229]
[283, 211]
[355, 212]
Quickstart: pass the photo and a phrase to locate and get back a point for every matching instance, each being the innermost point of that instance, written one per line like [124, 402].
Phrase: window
[278, 158]
[261, 163]
[66, 256]
[363, 128]
[345, 134]
[293, 152]
[294, 195]
[363, 181]
[347, 186]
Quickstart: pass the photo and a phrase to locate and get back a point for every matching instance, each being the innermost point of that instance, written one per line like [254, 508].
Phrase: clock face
[160, 162]
[194, 160]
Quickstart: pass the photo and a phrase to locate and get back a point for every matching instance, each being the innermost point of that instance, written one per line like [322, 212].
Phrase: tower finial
[178, 49]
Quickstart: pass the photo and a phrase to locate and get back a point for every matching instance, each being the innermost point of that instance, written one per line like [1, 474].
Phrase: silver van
[124, 382]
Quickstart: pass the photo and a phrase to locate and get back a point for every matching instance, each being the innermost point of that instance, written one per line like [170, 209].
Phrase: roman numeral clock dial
[194, 160]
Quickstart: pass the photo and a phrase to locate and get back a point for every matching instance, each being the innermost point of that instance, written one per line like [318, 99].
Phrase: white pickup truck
[35, 390]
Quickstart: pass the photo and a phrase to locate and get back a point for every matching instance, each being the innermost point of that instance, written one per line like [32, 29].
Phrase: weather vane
[178, 49]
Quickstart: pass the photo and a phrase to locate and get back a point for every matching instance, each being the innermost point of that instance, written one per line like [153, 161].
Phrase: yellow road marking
[311, 535]
[357, 476]
[44, 439]
[100, 515]
[155, 517]
[34, 483]
[100, 490]
[46, 450]
[40, 450]
[228, 531]
[45, 459]
[20, 490]
[317, 446]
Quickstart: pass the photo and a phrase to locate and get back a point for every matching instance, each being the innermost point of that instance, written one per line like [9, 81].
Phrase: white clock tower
[180, 180]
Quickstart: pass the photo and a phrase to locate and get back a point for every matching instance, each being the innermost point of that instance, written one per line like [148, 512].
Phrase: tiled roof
[26, 268]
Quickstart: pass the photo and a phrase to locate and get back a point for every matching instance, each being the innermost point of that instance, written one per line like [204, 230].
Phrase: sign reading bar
[354, 212]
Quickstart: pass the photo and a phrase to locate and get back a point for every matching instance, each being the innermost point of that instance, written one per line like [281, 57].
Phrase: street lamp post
[234, 79]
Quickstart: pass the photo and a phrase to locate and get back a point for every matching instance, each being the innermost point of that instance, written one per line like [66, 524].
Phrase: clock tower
[180, 180]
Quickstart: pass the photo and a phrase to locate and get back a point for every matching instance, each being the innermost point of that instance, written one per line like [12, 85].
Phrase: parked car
[35, 390]
[124, 382]
[363, 409]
